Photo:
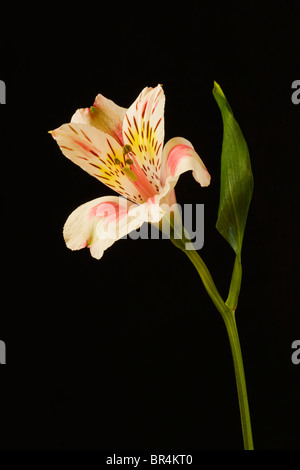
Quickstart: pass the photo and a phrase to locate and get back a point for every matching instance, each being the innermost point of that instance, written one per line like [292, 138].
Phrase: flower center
[127, 162]
[132, 169]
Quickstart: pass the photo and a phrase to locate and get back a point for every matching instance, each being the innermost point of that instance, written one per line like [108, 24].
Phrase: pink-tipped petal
[99, 223]
[179, 156]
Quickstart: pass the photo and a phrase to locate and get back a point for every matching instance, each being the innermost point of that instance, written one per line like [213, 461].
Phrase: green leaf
[236, 177]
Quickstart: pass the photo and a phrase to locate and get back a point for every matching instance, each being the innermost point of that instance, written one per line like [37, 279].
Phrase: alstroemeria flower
[123, 148]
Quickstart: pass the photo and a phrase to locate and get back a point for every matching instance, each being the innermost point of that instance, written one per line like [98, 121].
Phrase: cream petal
[105, 115]
[143, 131]
[96, 153]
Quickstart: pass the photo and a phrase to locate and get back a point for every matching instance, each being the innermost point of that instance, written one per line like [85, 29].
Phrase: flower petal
[96, 152]
[179, 156]
[105, 115]
[143, 130]
[99, 223]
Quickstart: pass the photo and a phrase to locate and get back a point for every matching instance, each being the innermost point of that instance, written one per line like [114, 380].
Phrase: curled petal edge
[178, 157]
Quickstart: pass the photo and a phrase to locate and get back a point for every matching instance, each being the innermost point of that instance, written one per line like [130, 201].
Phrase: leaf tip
[220, 97]
[217, 90]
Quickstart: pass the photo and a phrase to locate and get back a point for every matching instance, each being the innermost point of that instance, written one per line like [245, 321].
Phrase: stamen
[126, 149]
[125, 167]
[129, 173]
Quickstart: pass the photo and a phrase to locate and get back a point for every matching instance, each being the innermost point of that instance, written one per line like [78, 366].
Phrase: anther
[126, 149]
[94, 110]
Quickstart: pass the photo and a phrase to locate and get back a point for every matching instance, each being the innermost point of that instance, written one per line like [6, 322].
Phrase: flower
[123, 148]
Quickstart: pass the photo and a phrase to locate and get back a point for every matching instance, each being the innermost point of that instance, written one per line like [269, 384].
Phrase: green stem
[233, 336]
[235, 285]
[228, 315]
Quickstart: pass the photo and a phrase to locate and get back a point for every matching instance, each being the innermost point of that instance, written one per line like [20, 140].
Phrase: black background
[128, 352]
